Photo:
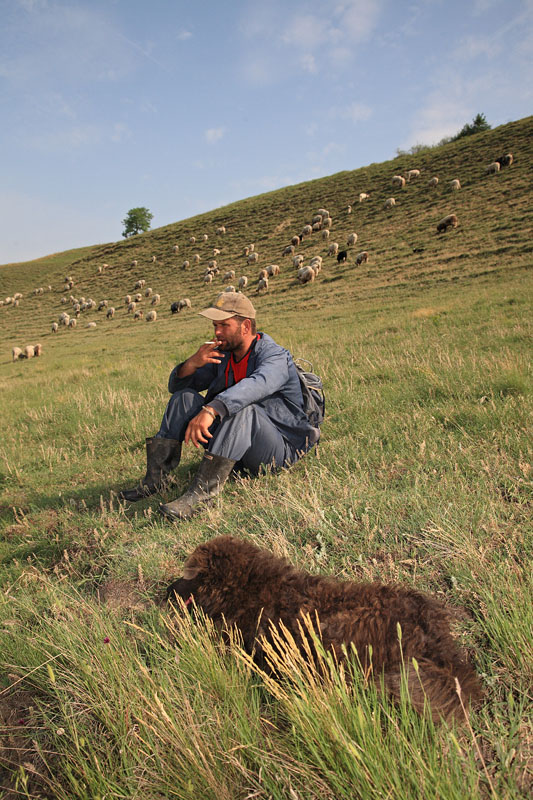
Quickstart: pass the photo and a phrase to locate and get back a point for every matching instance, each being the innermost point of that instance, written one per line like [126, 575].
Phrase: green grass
[423, 476]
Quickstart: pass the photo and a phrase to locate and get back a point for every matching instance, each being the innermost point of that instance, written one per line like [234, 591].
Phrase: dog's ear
[190, 572]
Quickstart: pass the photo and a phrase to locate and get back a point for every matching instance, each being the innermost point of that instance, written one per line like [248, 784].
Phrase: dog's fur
[234, 582]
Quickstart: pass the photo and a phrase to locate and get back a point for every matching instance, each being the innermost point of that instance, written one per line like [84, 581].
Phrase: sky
[183, 106]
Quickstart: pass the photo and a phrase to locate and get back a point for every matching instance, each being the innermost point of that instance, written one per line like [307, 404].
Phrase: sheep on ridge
[151, 316]
[229, 275]
[16, 353]
[493, 168]
[156, 299]
[447, 222]
[229, 288]
[389, 203]
[253, 258]
[273, 269]
[110, 312]
[140, 284]
[342, 256]
[148, 292]
[297, 260]
[306, 274]
[91, 325]
[505, 161]
[399, 181]
[289, 250]
[72, 322]
[243, 282]
[176, 248]
[333, 249]
[37, 350]
[352, 238]
[325, 234]
[185, 265]
[413, 173]
[433, 182]
[262, 285]
[127, 300]
[55, 327]
[363, 196]
[29, 351]
[138, 314]
[455, 185]
[361, 257]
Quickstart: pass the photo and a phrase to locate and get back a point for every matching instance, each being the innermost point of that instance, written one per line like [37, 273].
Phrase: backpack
[312, 393]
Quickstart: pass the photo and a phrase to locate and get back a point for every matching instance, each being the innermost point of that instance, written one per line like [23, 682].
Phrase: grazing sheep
[110, 312]
[273, 269]
[148, 292]
[64, 318]
[138, 297]
[102, 304]
[73, 322]
[363, 196]
[55, 327]
[216, 252]
[16, 353]
[140, 284]
[221, 229]
[349, 210]
[185, 265]
[253, 258]
[127, 300]
[361, 257]
[208, 278]
[296, 240]
[29, 351]
[306, 274]
[245, 250]
[229, 275]
[212, 264]
[262, 274]
[297, 260]
[151, 316]
[262, 285]
[317, 226]
[325, 234]
[447, 222]
[433, 182]
[307, 230]
[342, 256]
[505, 161]
[134, 263]
[132, 306]
[138, 314]
[156, 299]
[399, 181]
[229, 289]
[243, 282]
[176, 248]
[352, 238]
[192, 239]
[289, 250]
[413, 173]
[455, 185]
[184, 303]
[317, 218]
[493, 168]
[63, 300]
[38, 350]
[389, 203]
[174, 307]
[333, 249]
[91, 325]
[205, 237]
[196, 258]
[327, 222]
[240, 586]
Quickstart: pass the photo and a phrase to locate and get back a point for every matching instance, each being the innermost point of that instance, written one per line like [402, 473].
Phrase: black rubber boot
[162, 456]
[207, 483]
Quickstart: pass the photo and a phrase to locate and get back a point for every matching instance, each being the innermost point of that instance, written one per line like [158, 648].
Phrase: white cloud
[184, 35]
[213, 135]
[357, 112]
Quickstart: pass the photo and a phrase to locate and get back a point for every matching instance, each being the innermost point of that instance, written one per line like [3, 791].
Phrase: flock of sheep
[320, 223]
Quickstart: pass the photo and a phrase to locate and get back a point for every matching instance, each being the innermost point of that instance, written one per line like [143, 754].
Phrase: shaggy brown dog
[235, 582]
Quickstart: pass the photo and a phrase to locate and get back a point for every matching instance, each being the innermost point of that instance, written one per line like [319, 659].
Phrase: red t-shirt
[238, 368]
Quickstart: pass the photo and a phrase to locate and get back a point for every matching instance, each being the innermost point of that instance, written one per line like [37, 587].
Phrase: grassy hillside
[423, 475]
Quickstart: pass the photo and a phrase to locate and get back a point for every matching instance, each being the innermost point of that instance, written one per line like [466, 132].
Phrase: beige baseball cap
[229, 304]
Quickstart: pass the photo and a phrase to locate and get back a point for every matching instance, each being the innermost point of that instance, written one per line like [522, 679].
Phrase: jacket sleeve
[267, 378]
[199, 380]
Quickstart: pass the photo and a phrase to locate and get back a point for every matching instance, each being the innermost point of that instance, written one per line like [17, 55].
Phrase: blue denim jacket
[271, 381]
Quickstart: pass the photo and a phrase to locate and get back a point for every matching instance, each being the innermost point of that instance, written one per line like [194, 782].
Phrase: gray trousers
[248, 437]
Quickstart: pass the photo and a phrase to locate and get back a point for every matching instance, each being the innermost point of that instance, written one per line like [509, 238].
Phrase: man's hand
[198, 429]
[206, 354]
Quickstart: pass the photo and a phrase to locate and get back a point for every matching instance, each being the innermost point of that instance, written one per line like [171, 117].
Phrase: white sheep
[156, 299]
[154, 259]
[184, 303]
[493, 168]
[317, 226]
[246, 250]
[352, 238]
[349, 210]
[212, 264]
[289, 250]
[127, 300]
[229, 275]
[192, 239]
[327, 222]
[251, 247]
[361, 257]
[55, 327]
[297, 260]
[216, 252]
[253, 258]
[316, 261]
[363, 196]
[29, 351]
[221, 229]
[138, 314]
[333, 249]
[229, 288]
[208, 278]
[151, 316]
[447, 222]
[262, 274]
[413, 173]
[102, 304]
[138, 297]
[16, 353]
[295, 241]
[63, 300]
[205, 237]
[196, 258]
[64, 318]
[91, 325]
[325, 234]
[399, 181]
[185, 265]
[148, 292]
[307, 230]
[455, 185]
[306, 274]
[37, 350]
[262, 285]
[176, 248]
[134, 263]
[389, 203]
[72, 322]
[323, 212]
[140, 284]
[132, 306]
[273, 269]
[110, 312]
[243, 282]
[433, 182]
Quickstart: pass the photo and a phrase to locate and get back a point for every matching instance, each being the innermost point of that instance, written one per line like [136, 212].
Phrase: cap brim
[217, 314]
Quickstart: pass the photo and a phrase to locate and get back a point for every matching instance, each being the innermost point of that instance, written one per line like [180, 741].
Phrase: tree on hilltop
[478, 125]
[137, 220]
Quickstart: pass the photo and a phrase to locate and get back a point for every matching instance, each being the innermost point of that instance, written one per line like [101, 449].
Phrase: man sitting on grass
[252, 416]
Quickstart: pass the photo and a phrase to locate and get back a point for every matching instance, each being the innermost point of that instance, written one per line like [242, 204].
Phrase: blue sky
[186, 106]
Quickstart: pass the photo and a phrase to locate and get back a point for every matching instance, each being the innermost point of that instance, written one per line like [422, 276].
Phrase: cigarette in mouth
[209, 342]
